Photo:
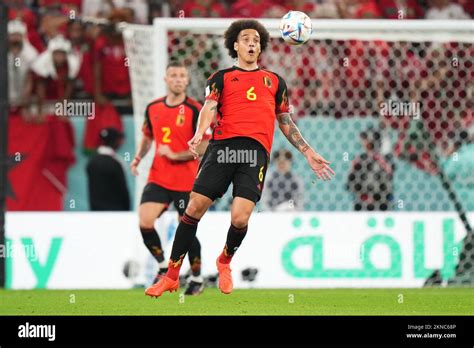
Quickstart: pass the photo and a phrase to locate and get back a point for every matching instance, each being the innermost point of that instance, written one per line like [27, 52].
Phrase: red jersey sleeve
[282, 104]
[214, 86]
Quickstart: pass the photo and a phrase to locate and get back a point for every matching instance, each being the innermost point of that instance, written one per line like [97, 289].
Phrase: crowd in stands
[93, 61]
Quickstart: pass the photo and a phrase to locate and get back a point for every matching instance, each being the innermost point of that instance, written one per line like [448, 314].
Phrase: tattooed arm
[206, 116]
[317, 163]
[291, 132]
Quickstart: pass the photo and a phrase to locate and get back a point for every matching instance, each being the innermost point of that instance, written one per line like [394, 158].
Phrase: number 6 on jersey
[251, 94]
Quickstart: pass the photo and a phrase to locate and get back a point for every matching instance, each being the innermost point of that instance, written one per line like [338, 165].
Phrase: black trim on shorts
[206, 191]
[159, 194]
[246, 192]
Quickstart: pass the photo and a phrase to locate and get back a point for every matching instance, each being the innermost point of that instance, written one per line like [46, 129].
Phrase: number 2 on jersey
[251, 94]
[166, 134]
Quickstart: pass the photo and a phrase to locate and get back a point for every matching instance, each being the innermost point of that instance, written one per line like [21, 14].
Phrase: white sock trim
[198, 279]
[163, 264]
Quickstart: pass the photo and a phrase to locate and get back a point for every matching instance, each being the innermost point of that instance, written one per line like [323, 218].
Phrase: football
[295, 27]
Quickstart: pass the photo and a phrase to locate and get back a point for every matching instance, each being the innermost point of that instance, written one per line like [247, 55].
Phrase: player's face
[177, 79]
[248, 45]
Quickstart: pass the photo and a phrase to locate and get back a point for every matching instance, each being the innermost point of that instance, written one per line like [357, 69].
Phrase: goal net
[404, 88]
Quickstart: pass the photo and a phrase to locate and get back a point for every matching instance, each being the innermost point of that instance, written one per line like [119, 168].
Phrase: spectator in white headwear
[444, 9]
[55, 69]
[96, 8]
[21, 54]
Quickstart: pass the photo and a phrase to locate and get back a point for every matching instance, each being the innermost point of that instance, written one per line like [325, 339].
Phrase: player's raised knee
[146, 220]
[198, 205]
[196, 208]
[240, 219]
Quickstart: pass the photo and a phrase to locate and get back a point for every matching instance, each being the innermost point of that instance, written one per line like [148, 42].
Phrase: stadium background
[402, 246]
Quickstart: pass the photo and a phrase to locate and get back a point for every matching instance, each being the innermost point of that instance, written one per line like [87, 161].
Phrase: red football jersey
[173, 126]
[248, 102]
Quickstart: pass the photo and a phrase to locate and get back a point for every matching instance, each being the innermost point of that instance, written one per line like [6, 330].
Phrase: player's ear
[235, 46]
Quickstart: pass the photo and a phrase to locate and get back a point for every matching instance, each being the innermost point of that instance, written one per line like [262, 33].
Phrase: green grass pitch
[431, 301]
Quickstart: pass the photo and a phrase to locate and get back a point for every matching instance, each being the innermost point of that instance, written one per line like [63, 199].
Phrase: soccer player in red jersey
[246, 100]
[170, 122]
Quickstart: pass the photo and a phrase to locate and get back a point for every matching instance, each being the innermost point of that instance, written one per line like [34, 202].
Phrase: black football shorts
[241, 161]
[158, 194]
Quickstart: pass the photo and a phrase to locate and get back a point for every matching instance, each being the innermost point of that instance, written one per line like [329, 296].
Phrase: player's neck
[245, 66]
[175, 99]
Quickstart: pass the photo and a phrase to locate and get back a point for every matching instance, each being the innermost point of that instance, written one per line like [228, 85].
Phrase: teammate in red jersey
[246, 100]
[170, 122]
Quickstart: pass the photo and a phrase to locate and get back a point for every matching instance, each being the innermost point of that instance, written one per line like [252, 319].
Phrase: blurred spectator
[54, 18]
[21, 54]
[204, 8]
[170, 8]
[444, 9]
[360, 70]
[54, 69]
[82, 48]
[64, 4]
[18, 10]
[306, 6]
[103, 8]
[275, 11]
[400, 83]
[400, 9]
[111, 78]
[467, 5]
[250, 8]
[284, 188]
[106, 175]
[358, 9]
[325, 9]
[459, 166]
[371, 176]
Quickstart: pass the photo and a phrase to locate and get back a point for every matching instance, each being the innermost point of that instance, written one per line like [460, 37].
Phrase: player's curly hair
[232, 33]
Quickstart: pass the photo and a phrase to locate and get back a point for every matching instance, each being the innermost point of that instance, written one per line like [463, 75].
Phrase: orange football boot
[225, 277]
[164, 284]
